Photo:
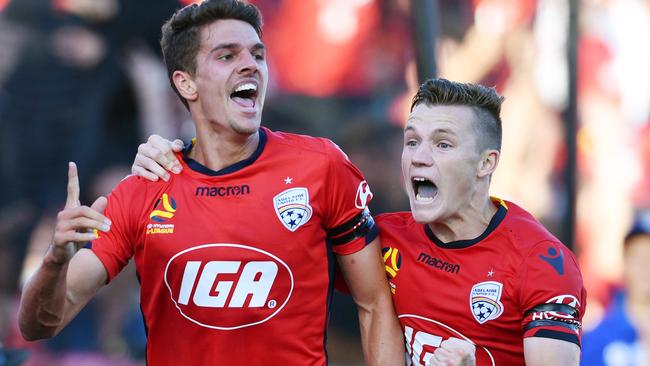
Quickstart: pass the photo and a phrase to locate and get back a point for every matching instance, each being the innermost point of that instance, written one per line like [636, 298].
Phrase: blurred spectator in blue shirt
[622, 338]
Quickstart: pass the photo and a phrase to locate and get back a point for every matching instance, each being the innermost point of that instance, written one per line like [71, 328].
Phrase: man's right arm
[68, 277]
[56, 293]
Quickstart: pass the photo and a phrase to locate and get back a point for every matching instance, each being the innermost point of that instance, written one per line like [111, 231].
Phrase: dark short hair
[180, 40]
[640, 226]
[485, 102]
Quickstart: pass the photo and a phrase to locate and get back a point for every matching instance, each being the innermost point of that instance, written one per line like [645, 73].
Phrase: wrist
[55, 258]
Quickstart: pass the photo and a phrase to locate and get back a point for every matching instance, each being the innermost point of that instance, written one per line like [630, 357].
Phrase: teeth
[246, 86]
[423, 199]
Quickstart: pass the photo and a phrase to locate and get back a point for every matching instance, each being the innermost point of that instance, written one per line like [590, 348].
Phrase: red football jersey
[514, 281]
[236, 266]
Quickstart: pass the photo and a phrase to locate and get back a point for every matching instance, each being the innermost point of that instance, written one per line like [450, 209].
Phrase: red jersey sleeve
[115, 248]
[552, 293]
[348, 221]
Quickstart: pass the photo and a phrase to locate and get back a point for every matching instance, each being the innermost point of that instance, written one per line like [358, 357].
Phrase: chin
[423, 215]
[247, 127]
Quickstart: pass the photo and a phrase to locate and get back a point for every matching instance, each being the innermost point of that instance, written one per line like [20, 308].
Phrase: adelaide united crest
[292, 207]
[485, 301]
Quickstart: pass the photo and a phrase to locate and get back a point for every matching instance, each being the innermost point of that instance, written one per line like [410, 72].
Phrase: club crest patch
[485, 301]
[292, 207]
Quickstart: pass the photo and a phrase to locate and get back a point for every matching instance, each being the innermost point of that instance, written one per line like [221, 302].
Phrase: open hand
[156, 157]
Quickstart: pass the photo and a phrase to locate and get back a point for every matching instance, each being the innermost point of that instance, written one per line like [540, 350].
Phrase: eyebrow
[231, 46]
[436, 131]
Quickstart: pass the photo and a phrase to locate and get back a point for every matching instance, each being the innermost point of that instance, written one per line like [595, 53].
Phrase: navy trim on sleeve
[364, 228]
[349, 225]
[552, 323]
[373, 233]
[554, 334]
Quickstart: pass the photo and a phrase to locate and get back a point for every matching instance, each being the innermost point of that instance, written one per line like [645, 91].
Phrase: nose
[422, 156]
[248, 63]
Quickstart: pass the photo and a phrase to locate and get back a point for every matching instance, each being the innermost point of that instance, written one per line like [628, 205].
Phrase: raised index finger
[73, 186]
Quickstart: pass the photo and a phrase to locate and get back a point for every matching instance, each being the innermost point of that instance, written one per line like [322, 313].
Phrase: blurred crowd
[82, 80]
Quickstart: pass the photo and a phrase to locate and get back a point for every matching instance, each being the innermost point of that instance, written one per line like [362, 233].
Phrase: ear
[488, 163]
[185, 85]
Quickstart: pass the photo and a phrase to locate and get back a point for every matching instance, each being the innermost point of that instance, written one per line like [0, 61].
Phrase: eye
[260, 56]
[225, 57]
[444, 145]
[411, 143]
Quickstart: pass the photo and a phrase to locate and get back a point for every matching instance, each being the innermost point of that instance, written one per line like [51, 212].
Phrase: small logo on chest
[292, 207]
[485, 301]
[163, 210]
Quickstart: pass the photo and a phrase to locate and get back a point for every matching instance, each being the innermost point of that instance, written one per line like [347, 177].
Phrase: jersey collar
[502, 209]
[198, 167]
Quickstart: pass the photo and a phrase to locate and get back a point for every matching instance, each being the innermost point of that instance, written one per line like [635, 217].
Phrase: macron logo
[555, 259]
[363, 195]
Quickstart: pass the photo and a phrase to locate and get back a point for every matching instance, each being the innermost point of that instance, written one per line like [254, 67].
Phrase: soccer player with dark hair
[236, 254]
[462, 264]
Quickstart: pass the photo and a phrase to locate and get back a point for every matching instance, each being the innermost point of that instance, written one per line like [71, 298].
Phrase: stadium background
[81, 80]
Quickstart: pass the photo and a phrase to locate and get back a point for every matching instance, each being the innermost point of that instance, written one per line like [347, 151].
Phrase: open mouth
[245, 95]
[425, 190]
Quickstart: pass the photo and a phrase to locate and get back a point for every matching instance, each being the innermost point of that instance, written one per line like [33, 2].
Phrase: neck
[468, 223]
[219, 150]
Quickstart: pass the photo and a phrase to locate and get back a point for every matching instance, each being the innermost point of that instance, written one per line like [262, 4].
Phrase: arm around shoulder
[381, 334]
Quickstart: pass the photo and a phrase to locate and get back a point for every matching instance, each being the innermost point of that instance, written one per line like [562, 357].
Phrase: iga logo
[363, 195]
[424, 335]
[228, 286]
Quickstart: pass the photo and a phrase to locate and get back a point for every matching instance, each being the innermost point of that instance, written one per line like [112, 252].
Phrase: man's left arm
[381, 334]
[540, 351]
[554, 299]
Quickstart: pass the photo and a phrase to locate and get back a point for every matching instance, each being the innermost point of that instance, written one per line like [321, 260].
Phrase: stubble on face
[229, 56]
